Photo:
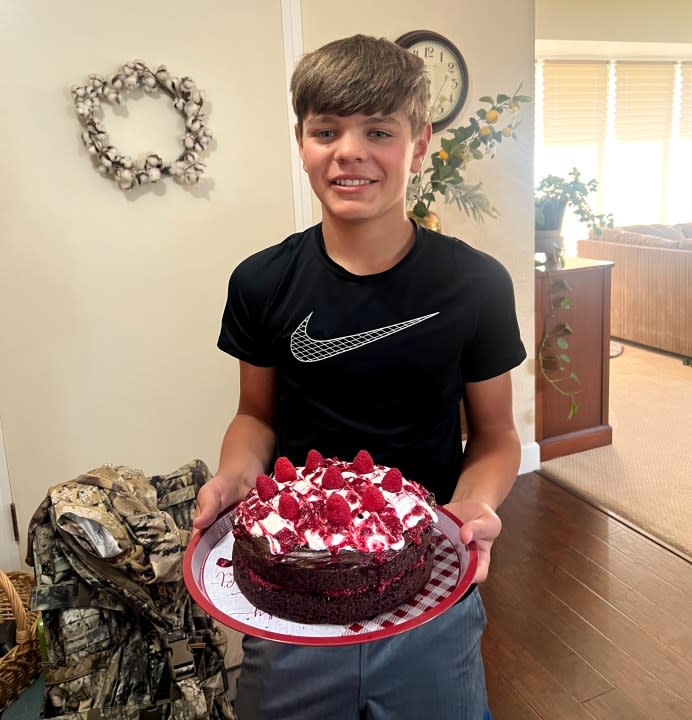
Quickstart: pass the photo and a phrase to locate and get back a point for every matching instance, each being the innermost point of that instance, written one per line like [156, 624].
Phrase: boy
[298, 318]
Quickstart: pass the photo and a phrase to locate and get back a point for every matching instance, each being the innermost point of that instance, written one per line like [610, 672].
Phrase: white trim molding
[291, 21]
[530, 458]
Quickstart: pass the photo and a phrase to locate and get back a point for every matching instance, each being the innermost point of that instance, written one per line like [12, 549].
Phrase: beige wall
[110, 303]
[665, 21]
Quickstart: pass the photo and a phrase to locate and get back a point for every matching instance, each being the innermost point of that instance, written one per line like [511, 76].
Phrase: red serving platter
[209, 578]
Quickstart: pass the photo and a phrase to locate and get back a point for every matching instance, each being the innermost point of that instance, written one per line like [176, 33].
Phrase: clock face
[447, 74]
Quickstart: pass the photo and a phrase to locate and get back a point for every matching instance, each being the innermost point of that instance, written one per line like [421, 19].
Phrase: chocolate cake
[333, 541]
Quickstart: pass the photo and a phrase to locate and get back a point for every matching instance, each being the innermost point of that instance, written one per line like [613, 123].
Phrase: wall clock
[447, 73]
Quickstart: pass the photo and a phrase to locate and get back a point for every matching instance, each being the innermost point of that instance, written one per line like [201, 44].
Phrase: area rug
[645, 476]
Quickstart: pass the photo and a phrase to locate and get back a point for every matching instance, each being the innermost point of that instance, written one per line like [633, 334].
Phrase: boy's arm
[491, 462]
[247, 446]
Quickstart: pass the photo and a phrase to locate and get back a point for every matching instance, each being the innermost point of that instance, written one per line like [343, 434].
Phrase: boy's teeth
[352, 182]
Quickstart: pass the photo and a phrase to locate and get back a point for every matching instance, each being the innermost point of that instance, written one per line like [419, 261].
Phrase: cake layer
[328, 573]
[333, 541]
[377, 590]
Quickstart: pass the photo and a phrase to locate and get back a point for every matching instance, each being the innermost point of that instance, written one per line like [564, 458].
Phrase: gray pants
[433, 671]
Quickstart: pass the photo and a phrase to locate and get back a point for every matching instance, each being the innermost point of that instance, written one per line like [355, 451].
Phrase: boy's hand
[215, 496]
[482, 524]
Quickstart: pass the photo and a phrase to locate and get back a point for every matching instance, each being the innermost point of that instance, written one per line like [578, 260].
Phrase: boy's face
[359, 165]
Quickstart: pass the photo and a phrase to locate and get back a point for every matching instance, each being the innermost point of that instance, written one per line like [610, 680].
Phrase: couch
[651, 295]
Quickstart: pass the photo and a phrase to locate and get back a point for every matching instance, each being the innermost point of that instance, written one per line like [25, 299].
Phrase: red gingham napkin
[444, 578]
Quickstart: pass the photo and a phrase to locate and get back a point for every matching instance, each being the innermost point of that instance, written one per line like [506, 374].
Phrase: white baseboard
[530, 457]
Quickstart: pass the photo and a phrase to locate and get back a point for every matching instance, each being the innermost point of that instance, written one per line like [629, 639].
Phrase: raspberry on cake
[333, 541]
[266, 487]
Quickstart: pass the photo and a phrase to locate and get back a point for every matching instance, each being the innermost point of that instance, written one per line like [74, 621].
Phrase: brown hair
[361, 74]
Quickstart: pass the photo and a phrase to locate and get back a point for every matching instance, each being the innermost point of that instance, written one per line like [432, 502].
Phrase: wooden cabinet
[587, 283]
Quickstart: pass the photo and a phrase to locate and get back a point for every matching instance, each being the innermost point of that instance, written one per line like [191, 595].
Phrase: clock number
[447, 74]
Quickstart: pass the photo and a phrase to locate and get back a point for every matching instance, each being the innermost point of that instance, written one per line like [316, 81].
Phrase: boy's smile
[359, 164]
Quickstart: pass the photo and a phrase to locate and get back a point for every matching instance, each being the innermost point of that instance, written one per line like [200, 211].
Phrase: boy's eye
[324, 133]
[380, 133]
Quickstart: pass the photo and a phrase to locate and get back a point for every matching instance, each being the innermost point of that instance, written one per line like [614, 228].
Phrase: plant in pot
[444, 177]
[554, 194]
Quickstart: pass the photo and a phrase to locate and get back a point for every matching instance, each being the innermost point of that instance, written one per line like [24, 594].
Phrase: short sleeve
[496, 344]
[243, 332]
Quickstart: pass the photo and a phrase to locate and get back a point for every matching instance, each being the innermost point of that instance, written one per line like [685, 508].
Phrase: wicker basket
[21, 664]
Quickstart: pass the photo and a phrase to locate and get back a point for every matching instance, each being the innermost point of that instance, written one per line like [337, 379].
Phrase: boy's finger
[204, 516]
[486, 527]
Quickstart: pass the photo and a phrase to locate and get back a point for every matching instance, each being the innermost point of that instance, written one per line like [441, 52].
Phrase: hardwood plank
[570, 670]
[533, 490]
[505, 702]
[538, 492]
[603, 551]
[557, 553]
[554, 496]
[669, 599]
[653, 619]
[536, 598]
[671, 669]
[536, 686]
[613, 705]
[665, 565]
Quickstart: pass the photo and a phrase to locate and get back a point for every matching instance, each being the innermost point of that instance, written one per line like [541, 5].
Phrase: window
[629, 125]
[574, 123]
[681, 154]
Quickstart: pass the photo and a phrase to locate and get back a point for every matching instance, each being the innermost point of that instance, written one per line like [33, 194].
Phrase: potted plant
[444, 177]
[554, 194]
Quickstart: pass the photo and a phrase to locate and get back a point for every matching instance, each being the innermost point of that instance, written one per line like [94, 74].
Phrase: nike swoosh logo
[307, 349]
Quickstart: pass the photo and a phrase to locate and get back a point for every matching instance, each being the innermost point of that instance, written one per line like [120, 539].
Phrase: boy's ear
[420, 148]
[299, 135]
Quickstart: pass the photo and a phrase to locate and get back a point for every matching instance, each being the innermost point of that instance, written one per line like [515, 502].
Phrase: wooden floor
[586, 617]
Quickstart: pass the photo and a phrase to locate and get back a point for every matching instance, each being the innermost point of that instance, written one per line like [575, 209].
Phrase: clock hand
[437, 97]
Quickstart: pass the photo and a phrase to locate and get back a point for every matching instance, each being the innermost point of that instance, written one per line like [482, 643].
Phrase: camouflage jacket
[123, 638]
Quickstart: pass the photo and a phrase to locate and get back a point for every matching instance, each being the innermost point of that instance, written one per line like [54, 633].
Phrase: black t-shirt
[376, 362]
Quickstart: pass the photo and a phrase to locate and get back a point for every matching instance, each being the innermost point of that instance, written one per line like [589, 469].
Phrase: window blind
[644, 93]
[575, 102]
[686, 102]
[608, 107]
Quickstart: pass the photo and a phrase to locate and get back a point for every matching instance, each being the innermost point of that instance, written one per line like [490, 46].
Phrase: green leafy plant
[479, 138]
[555, 193]
[553, 354]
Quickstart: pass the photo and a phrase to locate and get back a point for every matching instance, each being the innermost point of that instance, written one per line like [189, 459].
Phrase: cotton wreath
[129, 173]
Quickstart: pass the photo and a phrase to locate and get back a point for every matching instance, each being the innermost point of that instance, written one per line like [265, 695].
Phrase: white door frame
[9, 547]
[292, 28]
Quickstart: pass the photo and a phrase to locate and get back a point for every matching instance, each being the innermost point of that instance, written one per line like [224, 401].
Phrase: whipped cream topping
[368, 531]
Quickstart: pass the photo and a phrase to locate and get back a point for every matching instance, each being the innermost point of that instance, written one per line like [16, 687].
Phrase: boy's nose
[351, 147]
